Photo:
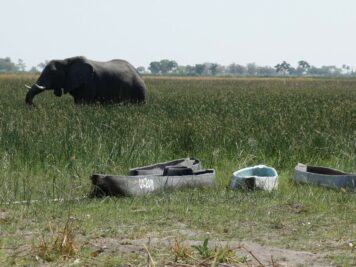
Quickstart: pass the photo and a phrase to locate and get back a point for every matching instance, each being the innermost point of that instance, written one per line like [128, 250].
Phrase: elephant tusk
[27, 86]
[40, 87]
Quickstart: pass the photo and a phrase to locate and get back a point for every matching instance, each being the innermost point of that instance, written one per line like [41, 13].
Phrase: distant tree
[221, 70]
[346, 69]
[164, 66]
[213, 68]
[283, 68]
[303, 67]
[181, 70]
[231, 69]
[199, 69]
[251, 69]
[168, 66]
[330, 71]
[141, 69]
[236, 69]
[155, 67]
[21, 66]
[314, 71]
[303, 64]
[190, 70]
[294, 71]
[353, 72]
[6, 65]
[265, 71]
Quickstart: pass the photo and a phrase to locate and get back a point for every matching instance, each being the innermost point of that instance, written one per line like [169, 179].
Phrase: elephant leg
[82, 95]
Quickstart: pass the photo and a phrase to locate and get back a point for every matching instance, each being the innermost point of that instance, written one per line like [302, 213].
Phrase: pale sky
[266, 32]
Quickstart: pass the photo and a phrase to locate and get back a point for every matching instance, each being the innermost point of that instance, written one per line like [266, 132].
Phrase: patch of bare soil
[256, 254]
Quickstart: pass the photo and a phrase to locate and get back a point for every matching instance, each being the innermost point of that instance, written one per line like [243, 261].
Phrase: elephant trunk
[34, 90]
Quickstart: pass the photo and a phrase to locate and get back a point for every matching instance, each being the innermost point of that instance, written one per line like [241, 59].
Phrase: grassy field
[50, 151]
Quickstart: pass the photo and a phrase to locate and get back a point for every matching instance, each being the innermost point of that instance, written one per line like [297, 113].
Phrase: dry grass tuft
[62, 245]
[181, 251]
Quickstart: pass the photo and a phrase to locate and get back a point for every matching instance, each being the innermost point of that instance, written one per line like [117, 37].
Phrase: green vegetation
[303, 68]
[50, 151]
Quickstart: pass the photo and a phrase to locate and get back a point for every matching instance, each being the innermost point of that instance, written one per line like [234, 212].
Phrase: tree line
[6, 65]
[303, 68]
[171, 67]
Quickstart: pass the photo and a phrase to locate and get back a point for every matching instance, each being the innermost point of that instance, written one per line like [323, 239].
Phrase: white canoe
[256, 177]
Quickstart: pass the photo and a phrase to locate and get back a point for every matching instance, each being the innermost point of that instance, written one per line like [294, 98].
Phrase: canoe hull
[323, 176]
[145, 184]
[257, 177]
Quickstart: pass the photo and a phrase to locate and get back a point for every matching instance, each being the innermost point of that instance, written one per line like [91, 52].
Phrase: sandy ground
[257, 255]
[268, 256]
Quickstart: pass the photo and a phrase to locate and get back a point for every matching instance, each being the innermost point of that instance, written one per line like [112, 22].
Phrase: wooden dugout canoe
[138, 185]
[324, 176]
[154, 178]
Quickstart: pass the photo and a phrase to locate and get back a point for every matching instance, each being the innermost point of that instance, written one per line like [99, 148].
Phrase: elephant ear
[78, 74]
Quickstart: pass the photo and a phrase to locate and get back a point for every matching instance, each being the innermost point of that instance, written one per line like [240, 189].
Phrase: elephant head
[61, 76]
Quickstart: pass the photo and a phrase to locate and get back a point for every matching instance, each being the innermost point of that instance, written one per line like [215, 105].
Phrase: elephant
[88, 81]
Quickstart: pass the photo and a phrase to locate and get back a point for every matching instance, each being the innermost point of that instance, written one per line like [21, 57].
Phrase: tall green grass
[51, 150]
